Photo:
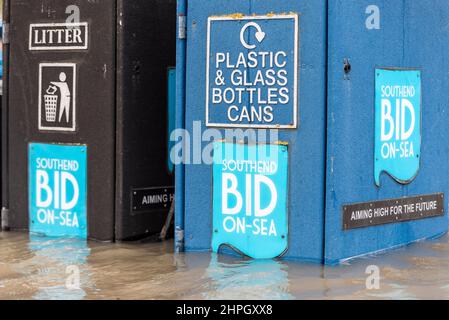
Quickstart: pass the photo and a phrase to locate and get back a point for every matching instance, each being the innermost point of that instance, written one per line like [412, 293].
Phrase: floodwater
[33, 267]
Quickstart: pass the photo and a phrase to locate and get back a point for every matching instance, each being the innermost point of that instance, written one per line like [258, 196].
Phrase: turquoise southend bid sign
[57, 190]
[398, 124]
[250, 199]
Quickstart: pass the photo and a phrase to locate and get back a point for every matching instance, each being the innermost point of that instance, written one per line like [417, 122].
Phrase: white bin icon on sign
[51, 104]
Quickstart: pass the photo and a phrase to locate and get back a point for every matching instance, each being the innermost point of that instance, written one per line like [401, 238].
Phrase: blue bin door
[386, 44]
[304, 132]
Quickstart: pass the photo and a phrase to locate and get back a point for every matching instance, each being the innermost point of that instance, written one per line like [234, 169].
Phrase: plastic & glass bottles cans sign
[252, 71]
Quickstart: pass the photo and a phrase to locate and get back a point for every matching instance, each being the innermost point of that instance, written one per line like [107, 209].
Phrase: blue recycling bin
[350, 94]
[226, 55]
[387, 144]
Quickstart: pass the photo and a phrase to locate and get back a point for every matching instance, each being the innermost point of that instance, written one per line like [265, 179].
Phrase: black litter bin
[87, 117]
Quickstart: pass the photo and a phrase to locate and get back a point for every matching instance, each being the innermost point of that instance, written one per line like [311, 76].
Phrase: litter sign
[57, 189]
[398, 124]
[250, 199]
[252, 71]
[57, 96]
[59, 36]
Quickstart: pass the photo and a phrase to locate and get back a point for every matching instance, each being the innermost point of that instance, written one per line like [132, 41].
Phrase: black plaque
[152, 199]
[376, 213]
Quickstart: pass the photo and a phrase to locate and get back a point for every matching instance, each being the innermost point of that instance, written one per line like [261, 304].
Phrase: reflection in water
[33, 267]
[63, 262]
[249, 279]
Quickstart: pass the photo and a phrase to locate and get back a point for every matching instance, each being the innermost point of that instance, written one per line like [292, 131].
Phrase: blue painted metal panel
[180, 120]
[58, 190]
[411, 34]
[307, 152]
[171, 112]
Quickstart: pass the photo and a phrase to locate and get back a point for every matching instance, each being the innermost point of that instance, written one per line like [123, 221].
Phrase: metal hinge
[5, 35]
[182, 27]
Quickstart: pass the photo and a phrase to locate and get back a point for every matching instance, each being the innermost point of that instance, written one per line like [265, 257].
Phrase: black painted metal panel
[146, 47]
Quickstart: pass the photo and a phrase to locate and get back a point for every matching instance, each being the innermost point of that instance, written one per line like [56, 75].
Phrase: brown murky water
[33, 267]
